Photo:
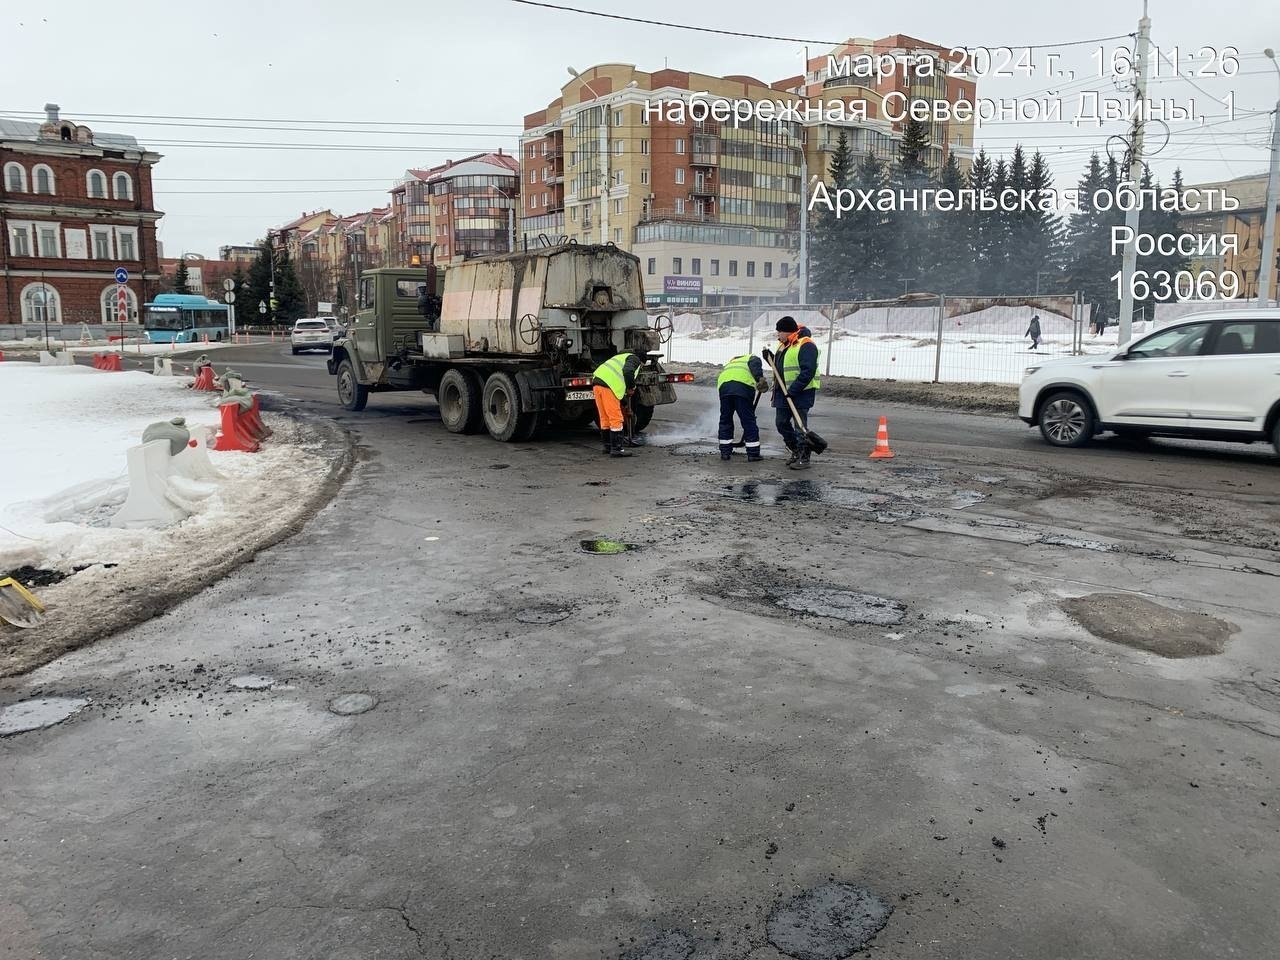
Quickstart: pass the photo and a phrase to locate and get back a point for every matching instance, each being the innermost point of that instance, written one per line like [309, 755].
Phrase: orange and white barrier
[204, 380]
[107, 361]
[236, 432]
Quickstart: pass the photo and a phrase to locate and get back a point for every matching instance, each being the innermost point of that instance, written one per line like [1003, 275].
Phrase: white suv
[311, 334]
[1215, 376]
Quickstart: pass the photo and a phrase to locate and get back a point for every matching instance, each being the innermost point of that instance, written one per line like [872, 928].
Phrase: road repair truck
[516, 341]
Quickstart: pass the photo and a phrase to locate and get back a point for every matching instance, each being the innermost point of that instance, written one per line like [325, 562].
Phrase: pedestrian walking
[740, 383]
[797, 361]
[1033, 331]
[613, 384]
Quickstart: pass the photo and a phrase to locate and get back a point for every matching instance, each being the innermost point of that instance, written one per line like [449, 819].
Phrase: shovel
[18, 606]
[815, 442]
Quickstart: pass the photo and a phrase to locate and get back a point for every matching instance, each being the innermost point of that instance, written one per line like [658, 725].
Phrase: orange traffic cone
[882, 451]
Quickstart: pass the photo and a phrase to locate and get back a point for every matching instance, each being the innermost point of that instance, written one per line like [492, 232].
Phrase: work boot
[726, 452]
[802, 460]
[795, 455]
[618, 447]
[753, 455]
[604, 440]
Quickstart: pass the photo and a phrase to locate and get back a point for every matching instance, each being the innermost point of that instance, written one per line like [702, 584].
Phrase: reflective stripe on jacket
[613, 373]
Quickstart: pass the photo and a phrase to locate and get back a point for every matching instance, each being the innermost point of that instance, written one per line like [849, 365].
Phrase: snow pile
[67, 430]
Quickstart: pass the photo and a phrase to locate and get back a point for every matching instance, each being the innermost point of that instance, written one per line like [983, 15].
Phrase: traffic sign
[229, 297]
[122, 303]
[262, 307]
[228, 284]
[122, 275]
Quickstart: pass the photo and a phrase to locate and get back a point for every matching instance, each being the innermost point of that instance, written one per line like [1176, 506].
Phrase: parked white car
[1214, 376]
[311, 334]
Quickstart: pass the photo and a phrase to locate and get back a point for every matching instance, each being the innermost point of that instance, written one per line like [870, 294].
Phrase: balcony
[690, 216]
[706, 158]
[703, 187]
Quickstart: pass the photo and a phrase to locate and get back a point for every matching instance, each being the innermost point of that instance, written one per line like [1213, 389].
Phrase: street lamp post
[1267, 265]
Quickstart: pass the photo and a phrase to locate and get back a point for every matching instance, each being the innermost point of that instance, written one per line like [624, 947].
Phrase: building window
[679, 204]
[544, 148]
[679, 174]
[653, 266]
[20, 241]
[768, 268]
[127, 243]
[101, 244]
[544, 199]
[619, 147]
[110, 304]
[677, 265]
[48, 241]
[617, 236]
[97, 183]
[697, 266]
[679, 145]
[644, 148]
[617, 206]
[751, 268]
[644, 118]
[533, 176]
[617, 118]
[529, 151]
[784, 270]
[40, 304]
[43, 178]
[733, 268]
[15, 177]
[122, 186]
[715, 268]
[573, 214]
[644, 175]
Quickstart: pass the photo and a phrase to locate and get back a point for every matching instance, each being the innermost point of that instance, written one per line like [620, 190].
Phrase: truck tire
[458, 397]
[352, 394]
[641, 415]
[504, 416]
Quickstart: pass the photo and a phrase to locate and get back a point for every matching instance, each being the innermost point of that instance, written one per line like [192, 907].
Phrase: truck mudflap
[656, 388]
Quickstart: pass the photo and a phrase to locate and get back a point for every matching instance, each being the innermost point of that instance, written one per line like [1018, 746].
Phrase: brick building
[74, 205]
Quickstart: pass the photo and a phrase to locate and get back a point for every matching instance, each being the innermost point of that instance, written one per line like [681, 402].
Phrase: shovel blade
[17, 605]
[816, 443]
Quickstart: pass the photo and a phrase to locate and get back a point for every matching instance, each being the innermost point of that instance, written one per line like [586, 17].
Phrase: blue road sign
[122, 275]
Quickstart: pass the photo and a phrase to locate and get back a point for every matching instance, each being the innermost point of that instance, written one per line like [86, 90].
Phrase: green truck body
[515, 342]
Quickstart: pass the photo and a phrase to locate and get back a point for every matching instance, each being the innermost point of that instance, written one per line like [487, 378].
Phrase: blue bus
[184, 318]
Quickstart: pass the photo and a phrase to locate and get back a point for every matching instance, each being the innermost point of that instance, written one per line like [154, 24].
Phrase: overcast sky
[489, 62]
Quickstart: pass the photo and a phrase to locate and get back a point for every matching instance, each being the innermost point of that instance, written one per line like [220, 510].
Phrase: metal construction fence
[923, 338]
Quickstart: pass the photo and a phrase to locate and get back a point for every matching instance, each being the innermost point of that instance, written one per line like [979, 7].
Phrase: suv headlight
[1029, 371]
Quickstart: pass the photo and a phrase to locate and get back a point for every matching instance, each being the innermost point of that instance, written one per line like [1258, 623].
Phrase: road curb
[146, 604]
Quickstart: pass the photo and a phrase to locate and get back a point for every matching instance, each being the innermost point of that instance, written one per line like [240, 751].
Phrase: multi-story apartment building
[456, 211]
[1245, 225]
[75, 204]
[241, 253]
[713, 209]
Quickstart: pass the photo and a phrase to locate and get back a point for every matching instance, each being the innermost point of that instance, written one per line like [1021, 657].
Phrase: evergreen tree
[181, 277]
[952, 261]
[830, 244]
[1088, 264]
[909, 241]
[982, 225]
[870, 237]
[291, 302]
[1043, 230]
[993, 282]
[1155, 223]
[259, 287]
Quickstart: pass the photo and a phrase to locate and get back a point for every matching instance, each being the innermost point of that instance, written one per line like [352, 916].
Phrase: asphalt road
[866, 673]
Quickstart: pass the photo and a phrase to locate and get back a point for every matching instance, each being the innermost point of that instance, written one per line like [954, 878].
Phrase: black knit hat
[787, 325]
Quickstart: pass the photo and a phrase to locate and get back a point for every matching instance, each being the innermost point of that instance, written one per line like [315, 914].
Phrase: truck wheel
[641, 415]
[352, 394]
[503, 414]
[458, 397]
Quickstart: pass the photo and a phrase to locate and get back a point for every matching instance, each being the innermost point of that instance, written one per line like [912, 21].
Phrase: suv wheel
[1066, 419]
[1275, 436]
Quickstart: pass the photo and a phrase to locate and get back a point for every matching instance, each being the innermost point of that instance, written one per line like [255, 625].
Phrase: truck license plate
[579, 395]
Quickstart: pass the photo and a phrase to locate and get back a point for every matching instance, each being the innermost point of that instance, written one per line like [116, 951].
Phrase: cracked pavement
[678, 753]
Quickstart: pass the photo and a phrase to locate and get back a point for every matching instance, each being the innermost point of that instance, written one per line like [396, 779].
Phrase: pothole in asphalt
[352, 704]
[843, 605]
[1076, 543]
[537, 615]
[37, 714]
[693, 450]
[605, 547]
[1140, 623]
[252, 681]
[829, 922]
[668, 945]
[803, 491]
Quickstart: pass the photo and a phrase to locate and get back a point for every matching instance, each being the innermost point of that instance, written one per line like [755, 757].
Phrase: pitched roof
[29, 131]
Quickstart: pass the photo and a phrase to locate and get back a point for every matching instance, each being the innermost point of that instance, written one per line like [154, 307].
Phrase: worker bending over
[797, 361]
[740, 383]
[613, 383]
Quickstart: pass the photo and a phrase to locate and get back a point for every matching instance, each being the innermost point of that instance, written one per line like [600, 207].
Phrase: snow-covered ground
[965, 357]
[132, 348]
[66, 433]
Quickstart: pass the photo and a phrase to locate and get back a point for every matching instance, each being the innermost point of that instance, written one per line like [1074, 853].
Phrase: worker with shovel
[740, 385]
[613, 383]
[795, 388]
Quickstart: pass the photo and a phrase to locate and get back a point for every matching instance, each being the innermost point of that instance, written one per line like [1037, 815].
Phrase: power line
[271, 120]
[764, 36]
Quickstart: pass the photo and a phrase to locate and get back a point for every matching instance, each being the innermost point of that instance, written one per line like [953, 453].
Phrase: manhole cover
[829, 922]
[607, 547]
[1138, 622]
[351, 704]
[38, 714]
[252, 681]
[668, 945]
[843, 605]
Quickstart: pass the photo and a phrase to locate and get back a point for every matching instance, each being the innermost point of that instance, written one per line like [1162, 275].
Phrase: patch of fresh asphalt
[680, 756]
